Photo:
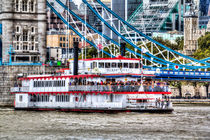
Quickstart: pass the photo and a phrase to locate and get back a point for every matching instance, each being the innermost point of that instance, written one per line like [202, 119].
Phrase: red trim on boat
[62, 70]
[61, 77]
[78, 76]
[115, 58]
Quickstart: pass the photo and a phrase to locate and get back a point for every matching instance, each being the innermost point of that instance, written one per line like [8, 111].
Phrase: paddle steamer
[95, 85]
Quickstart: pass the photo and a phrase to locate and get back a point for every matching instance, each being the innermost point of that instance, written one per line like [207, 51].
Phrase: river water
[186, 122]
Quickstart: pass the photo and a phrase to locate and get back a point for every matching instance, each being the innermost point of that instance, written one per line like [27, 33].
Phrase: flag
[100, 47]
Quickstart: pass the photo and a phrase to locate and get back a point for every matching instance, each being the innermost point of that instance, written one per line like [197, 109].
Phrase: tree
[179, 43]
[204, 47]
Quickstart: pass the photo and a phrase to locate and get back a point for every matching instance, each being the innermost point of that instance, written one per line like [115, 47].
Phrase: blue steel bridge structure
[168, 63]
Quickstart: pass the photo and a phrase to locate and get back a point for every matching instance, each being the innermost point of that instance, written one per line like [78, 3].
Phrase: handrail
[119, 88]
[194, 73]
[19, 89]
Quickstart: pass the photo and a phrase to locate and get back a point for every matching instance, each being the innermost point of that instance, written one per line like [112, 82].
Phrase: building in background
[191, 31]
[60, 45]
[204, 13]
[125, 8]
[53, 21]
[90, 17]
[23, 30]
[171, 35]
[158, 16]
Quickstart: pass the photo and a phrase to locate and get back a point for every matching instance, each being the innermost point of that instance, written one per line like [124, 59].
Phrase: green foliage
[179, 43]
[175, 46]
[92, 52]
[204, 47]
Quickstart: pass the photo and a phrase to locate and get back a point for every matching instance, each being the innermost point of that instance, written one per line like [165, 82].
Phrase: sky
[78, 2]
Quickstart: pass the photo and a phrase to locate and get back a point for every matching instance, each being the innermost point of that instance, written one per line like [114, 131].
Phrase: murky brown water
[187, 122]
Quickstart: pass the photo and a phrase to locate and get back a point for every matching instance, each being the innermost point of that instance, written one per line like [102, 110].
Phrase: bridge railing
[187, 73]
[19, 89]
[119, 88]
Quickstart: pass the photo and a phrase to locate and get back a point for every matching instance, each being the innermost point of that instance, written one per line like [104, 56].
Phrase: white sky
[78, 2]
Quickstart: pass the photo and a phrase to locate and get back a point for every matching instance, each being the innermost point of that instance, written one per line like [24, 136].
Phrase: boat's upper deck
[118, 65]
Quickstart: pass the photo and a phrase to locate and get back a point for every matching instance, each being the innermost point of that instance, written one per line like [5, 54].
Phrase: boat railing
[19, 89]
[162, 105]
[119, 88]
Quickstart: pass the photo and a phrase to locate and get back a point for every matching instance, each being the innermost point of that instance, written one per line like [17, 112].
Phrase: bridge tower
[191, 32]
[23, 27]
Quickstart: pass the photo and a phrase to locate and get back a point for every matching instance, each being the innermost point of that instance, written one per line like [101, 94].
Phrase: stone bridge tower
[24, 27]
[191, 30]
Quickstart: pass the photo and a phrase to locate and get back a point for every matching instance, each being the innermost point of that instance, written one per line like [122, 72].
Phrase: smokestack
[76, 51]
[122, 49]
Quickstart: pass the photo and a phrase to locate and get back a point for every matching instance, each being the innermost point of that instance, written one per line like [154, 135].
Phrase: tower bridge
[172, 64]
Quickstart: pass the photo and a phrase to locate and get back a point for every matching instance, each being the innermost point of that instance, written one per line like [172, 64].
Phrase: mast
[76, 51]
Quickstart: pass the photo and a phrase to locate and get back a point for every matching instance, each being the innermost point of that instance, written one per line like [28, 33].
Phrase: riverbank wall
[191, 101]
[9, 76]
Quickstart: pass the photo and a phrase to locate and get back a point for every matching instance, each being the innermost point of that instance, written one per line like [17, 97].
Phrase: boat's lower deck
[96, 102]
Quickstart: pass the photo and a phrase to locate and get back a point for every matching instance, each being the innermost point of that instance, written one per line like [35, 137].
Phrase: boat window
[101, 65]
[125, 65]
[131, 65]
[114, 65]
[94, 64]
[42, 98]
[67, 98]
[136, 65]
[111, 97]
[62, 98]
[91, 65]
[34, 98]
[46, 98]
[84, 97]
[20, 98]
[38, 98]
[49, 83]
[119, 65]
[57, 98]
[46, 83]
[107, 65]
